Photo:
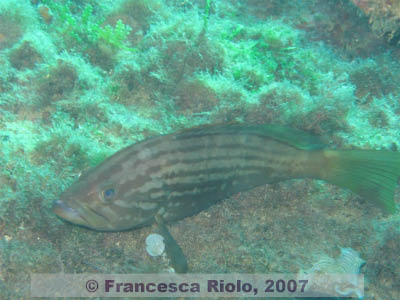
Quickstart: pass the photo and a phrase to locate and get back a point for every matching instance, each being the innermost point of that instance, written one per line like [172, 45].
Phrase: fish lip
[68, 213]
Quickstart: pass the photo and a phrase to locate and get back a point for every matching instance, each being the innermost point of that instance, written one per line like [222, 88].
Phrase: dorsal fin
[293, 137]
[290, 136]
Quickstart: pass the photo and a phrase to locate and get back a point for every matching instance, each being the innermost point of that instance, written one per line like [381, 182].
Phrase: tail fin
[371, 174]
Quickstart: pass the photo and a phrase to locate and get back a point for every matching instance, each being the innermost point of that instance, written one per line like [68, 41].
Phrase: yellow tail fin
[371, 174]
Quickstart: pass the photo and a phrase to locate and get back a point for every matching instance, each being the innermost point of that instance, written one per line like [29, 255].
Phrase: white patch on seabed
[155, 244]
[348, 263]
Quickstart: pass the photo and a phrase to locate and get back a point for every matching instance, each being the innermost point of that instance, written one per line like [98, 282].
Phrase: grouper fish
[180, 174]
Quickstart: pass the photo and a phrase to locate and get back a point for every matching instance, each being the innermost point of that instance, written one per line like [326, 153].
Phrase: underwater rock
[25, 57]
[384, 259]
[348, 263]
[195, 96]
[59, 81]
[45, 12]
[383, 17]
[10, 31]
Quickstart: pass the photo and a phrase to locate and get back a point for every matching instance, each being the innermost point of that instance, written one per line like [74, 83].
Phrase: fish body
[180, 174]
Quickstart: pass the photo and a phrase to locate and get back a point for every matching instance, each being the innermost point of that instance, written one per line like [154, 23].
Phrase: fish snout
[68, 213]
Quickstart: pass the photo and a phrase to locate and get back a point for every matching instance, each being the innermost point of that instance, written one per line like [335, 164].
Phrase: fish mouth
[68, 213]
[83, 215]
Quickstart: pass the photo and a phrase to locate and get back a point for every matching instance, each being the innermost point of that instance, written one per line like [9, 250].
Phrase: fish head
[95, 201]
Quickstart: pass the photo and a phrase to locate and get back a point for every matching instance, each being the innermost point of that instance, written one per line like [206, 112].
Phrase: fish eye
[108, 194]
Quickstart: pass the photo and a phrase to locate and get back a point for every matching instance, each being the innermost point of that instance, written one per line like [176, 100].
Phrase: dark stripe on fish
[220, 177]
[168, 172]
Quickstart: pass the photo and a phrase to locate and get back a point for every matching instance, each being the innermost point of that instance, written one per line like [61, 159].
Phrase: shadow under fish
[163, 244]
